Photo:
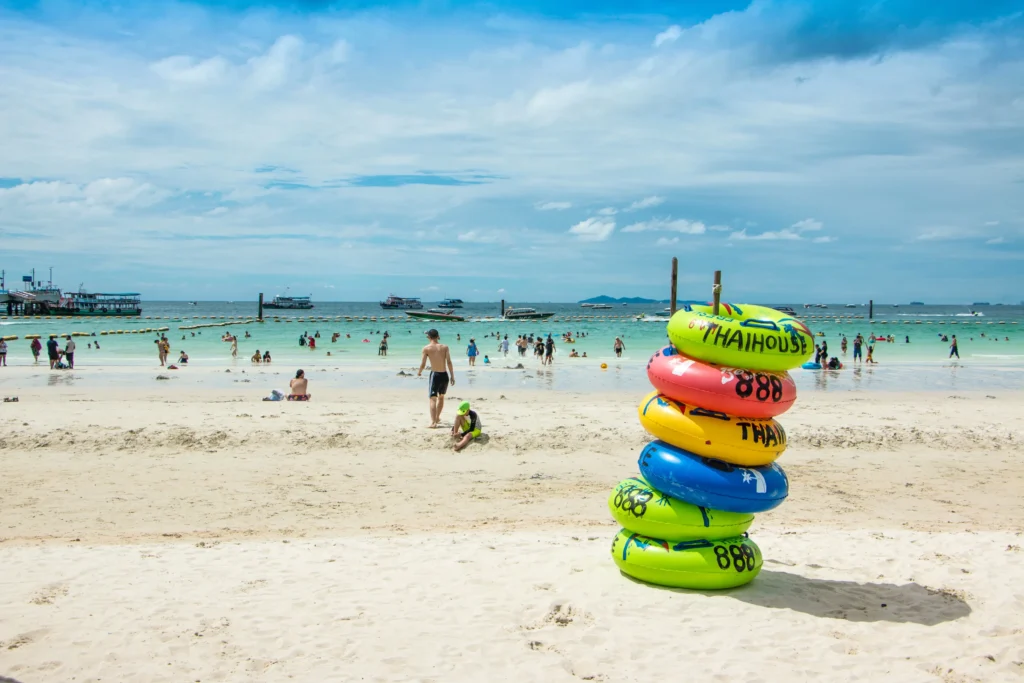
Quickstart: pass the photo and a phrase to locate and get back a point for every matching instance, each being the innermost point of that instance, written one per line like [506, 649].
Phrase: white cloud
[807, 224]
[996, 240]
[793, 232]
[431, 288]
[784, 234]
[271, 70]
[991, 223]
[666, 241]
[646, 203]
[501, 291]
[669, 35]
[184, 69]
[104, 193]
[664, 224]
[553, 206]
[478, 236]
[607, 211]
[942, 232]
[719, 228]
[593, 229]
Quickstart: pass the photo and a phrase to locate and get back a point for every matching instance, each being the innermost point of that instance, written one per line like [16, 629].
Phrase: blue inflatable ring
[712, 483]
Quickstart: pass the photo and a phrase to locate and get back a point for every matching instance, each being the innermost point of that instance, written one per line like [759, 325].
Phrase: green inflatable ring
[640, 508]
[700, 564]
[741, 336]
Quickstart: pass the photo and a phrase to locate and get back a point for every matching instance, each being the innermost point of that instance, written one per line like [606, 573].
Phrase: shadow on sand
[907, 603]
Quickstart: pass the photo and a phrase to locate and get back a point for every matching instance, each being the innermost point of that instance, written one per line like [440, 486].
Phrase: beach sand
[170, 535]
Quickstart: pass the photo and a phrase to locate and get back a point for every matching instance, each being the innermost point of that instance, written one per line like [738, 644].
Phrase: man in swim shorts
[442, 372]
[467, 426]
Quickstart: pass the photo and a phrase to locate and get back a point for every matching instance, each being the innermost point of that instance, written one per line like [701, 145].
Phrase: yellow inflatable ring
[699, 564]
[637, 506]
[745, 441]
[741, 336]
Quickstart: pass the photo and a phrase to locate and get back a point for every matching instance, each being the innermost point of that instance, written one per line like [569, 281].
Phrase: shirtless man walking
[441, 374]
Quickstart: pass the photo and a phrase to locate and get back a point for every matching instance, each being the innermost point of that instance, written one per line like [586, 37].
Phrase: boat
[292, 303]
[981, 303]
[524, 314]
[436, 314]
[602, 307]
[398, 303]
[99, 304]
[451, 303]
[787, 310]
[193, 303]
[851, 305]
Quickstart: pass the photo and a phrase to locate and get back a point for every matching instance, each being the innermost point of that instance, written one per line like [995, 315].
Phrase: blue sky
[813, 151]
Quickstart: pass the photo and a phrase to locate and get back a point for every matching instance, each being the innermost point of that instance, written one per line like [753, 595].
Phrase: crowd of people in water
[541, 346]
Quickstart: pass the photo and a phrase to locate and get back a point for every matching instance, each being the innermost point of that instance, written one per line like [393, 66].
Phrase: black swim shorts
[438, 383]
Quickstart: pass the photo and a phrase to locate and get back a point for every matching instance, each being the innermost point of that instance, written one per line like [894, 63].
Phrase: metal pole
[717, 290]
[871, 309]
[502, 308]
[260, 315]
[675, 282]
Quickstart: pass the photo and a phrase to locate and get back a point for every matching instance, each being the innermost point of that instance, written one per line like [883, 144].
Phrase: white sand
[157, 537]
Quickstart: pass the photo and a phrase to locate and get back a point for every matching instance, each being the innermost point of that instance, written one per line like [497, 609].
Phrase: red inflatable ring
[734, 391]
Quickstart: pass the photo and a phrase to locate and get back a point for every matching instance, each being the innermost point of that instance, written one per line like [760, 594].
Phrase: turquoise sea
[990, 338]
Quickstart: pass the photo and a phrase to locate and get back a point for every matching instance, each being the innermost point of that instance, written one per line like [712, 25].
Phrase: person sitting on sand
[257, 357]
[467, 426]
[183, 358]
[487, 361]
[299, 387]
[266, 356]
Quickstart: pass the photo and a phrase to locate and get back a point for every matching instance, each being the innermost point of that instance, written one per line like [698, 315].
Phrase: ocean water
[988, 359]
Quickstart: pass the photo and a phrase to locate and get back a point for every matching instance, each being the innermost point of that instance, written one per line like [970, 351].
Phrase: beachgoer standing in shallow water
[857, 343]
[953, 349]
[69, 353]
[472, 352]
[549, 351]
[618, 347]
[36, 347]
[234, 346]
[442, 372]
[842, 345]
[3, 353]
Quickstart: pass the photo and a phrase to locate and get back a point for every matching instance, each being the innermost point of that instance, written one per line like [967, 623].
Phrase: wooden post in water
[260, 315]
[502, 308]
[871, 309]
[675, 282]
[716, 291]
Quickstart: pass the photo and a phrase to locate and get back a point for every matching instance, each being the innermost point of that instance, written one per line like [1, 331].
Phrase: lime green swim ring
[741, 336]
[699, 564]
[640, 508]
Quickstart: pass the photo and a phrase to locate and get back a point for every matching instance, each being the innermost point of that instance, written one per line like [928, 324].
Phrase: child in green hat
[467, 426]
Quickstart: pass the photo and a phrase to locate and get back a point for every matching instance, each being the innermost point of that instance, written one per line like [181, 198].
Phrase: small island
[625, 300]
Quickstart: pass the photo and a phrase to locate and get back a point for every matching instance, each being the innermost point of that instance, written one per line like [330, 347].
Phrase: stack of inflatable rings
[717, 388]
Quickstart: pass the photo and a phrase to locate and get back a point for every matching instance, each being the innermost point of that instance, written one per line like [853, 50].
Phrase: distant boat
[451, 303]
[917, 303]
[602, 307]
[981, 303]
[436, 314]
[398, 303]
[292, 303]
[193, 303]
[525, 314]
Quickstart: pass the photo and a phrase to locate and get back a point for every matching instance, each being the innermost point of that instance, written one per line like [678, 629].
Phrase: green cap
[463, 407]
